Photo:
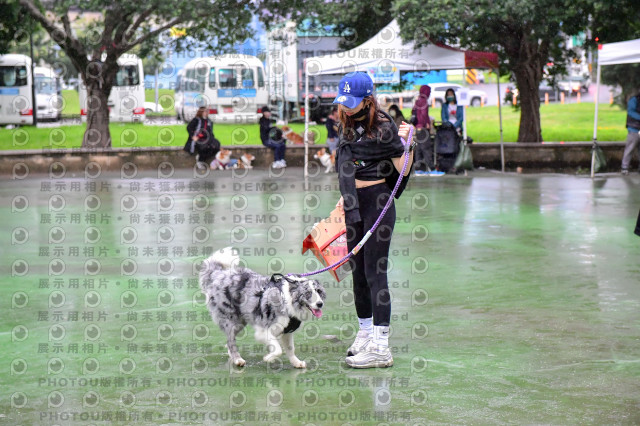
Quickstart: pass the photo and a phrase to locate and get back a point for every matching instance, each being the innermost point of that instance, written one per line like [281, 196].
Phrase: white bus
[48, 94]
[232, 86]
[15, 89]
[126, 101]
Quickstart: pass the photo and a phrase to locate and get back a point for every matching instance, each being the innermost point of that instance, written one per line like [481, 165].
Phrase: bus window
[190, 80]
[212, 78]
[247, 78]
[260, 78]
[201, 78]
[228, 78]
[45, 85]
[13, 76]
[127, 75]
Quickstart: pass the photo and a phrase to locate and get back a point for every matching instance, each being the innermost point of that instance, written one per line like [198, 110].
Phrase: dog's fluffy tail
[222, 259]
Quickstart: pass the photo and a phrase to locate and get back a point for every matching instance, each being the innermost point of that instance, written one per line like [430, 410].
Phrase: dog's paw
[239, 362]
[299, 364]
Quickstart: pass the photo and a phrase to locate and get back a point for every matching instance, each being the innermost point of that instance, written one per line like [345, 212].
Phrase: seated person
[201, 141]
[271, 137]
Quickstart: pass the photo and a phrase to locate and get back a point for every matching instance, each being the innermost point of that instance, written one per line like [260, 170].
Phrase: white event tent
[624, 52]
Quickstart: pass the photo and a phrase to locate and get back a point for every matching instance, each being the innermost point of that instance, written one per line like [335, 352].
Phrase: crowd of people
[202, 143]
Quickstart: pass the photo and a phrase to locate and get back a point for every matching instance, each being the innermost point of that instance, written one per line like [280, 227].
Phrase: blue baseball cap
[353, 88]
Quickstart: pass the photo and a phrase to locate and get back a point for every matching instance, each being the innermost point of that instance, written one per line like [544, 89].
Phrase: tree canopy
[612, 22]
[123, 26]
[527, 35]
[12, 25]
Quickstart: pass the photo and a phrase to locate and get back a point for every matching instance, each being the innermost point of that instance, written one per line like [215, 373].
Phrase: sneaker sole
[376, 364]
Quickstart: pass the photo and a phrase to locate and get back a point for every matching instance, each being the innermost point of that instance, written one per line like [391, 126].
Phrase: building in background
[287, 48]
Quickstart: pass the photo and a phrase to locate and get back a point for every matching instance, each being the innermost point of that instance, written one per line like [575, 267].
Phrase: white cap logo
[346, 89]
[342, 98]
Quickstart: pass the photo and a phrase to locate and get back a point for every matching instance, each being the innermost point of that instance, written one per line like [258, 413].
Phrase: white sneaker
[372, 356]
[276, 165]
[362, 340]
[284, 163]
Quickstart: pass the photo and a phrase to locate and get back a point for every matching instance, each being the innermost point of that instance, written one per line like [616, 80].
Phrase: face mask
[450, 98]
[362, 113]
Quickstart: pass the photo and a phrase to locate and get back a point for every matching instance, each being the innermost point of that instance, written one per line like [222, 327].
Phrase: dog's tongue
[316, 312]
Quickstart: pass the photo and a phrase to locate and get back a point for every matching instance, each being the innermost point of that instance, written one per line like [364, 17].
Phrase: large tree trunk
[528, 75]
[97, 133]
[98, 79]
[528, 84]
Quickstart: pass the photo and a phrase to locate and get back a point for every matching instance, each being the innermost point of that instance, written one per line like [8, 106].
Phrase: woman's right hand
[194, 138]
[340, 204]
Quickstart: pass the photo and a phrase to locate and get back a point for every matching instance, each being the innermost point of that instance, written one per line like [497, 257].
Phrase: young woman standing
[370, 158]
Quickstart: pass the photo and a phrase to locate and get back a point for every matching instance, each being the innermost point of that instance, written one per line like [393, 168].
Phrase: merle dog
[275, 306]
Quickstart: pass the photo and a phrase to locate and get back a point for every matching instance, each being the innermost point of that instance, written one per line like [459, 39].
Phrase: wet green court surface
[516, 299]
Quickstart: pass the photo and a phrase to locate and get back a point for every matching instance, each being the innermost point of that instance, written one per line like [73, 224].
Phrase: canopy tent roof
[387, 49]
[624, 52]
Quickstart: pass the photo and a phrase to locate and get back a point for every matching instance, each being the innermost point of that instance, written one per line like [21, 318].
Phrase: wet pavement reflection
[515, 299]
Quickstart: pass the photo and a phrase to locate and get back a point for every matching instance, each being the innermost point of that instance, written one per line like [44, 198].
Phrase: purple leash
[370, 232]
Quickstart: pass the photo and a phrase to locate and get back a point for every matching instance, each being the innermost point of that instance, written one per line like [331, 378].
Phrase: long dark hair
[200, 112]
[370, 122]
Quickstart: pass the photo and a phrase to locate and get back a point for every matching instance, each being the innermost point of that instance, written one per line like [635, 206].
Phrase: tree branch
[143, 17]
[66, 24]
[110, 21]
[71, 46]
[153, 33]
[35, 13]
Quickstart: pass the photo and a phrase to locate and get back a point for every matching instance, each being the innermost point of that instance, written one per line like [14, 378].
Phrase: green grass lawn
[165, 100]
[569, 122]
[572, 122]
[71, 103]
[135, 135]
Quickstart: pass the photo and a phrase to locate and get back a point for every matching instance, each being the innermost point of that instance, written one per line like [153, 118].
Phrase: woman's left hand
[403, 131]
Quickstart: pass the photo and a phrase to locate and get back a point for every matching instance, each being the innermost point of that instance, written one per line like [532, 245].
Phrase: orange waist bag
[328, 242]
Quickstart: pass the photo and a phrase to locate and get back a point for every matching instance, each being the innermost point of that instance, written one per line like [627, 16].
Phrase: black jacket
[267, 131]
[204, 128]
[385, 146]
